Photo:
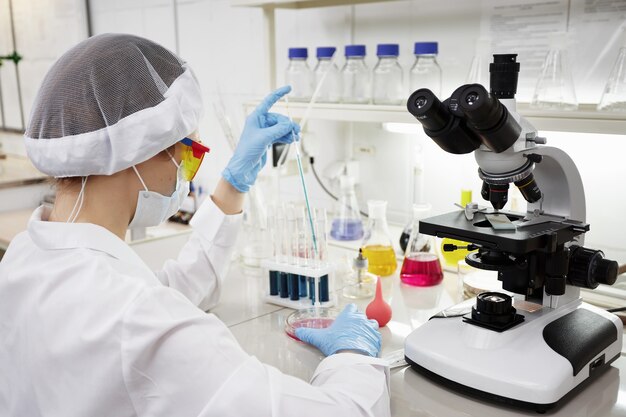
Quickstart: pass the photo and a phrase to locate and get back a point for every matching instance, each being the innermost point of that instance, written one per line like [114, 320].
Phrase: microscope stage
[542, 235]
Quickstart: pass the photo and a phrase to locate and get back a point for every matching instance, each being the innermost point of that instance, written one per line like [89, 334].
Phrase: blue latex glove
[262, 129]
[351, 330]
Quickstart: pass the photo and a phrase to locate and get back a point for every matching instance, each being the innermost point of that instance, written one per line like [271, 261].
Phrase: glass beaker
[420, 267]
[348, 224]
[614, 95]
[359, 283]
[555, 87]
[377, 246]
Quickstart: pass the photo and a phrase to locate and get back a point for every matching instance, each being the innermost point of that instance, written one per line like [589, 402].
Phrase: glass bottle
[420, 267]
[355, 76]
[348, 224]
[426, 72]
[359, 283]
[555, 87]
[298, 75]
[388, 77]
[377, 246]
[614, 95]
[330, 91]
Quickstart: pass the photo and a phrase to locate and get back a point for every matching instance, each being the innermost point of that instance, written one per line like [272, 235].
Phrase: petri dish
[315, 317]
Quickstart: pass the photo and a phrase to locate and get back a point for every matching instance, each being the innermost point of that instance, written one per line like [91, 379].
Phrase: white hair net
[111, 102]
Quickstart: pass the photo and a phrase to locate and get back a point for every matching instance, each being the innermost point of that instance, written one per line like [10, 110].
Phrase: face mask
[154, 208]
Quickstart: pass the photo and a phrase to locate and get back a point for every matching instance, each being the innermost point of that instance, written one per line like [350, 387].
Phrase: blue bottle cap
[426, 48]
[298, 53]
[326, 51]
[355, 50]
[388, 49]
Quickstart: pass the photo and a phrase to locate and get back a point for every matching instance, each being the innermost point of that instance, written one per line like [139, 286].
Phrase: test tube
[320, 233]
[273, 273]
[322, 252]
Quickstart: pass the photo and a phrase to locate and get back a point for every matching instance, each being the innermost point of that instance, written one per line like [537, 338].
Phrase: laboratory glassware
[420, 268]
[330, 91]
[426, 72]
[359, 283]
[347, 225]
[555, 86]
[377, 246]
[614, 95]
[355, 76]
[479, 68]
[298, 75]
[257, 244]
[314, 318]
[321, 225]
[388, 80]
[421, 211]
[296, 144]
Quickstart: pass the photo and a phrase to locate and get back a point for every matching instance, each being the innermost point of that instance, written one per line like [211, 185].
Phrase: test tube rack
[299, 287]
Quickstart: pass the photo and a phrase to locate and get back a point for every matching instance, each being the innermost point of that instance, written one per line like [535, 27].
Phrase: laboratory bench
[17, 171]
[259, 328]
[158, 241]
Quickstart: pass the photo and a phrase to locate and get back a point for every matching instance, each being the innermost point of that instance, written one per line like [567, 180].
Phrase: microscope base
[519, 367]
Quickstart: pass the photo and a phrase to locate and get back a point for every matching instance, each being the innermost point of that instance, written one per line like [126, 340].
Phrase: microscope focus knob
[588, 268]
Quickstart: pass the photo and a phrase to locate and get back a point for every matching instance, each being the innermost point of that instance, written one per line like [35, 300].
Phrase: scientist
[86, 329]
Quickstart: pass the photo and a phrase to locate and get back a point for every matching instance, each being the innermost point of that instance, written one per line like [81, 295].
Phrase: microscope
[536, 343]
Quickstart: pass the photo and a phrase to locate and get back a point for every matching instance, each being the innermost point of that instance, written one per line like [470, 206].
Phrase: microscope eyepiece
[429, 110]
[441, 124]
[497, 129]
[503, 75]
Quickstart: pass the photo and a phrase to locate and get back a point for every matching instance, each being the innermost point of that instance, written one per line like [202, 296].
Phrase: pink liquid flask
[421, 269]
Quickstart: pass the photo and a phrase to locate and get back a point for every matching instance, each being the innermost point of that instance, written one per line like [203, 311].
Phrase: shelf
[300, 4]
[585, 120]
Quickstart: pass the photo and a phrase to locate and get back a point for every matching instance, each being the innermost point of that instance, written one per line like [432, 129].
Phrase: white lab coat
[86, 329]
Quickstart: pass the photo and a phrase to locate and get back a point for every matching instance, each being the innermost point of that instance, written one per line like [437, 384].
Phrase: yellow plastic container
[451, 259]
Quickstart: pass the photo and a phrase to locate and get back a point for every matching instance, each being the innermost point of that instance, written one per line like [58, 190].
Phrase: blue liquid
[347, 229]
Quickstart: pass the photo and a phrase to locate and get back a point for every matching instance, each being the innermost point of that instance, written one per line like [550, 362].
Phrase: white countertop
[259, 328]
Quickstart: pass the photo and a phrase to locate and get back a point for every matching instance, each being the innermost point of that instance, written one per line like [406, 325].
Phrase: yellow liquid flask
[377, 247]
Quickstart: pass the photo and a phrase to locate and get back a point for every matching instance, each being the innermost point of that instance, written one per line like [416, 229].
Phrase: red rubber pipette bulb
[378, 309]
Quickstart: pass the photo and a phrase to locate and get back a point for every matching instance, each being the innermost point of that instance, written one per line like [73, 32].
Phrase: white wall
[225, 47]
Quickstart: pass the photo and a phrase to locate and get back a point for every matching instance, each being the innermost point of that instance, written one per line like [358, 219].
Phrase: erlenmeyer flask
[420, 267]
[347, 225]
[479, 69]
[377, 246]
[614, 95]
[555, 87]
[421, 211]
